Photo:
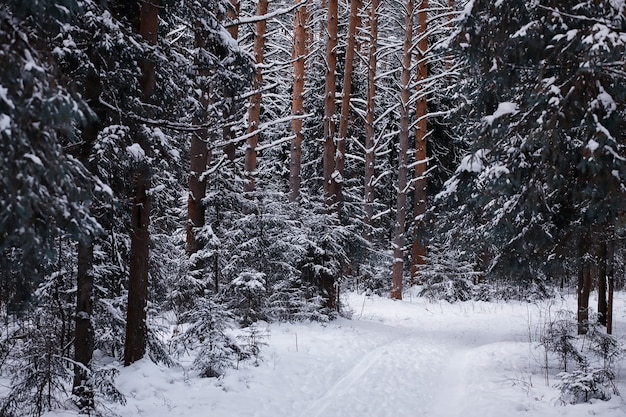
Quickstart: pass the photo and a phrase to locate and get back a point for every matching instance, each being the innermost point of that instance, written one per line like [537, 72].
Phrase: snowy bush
[206, 338]
[447, 275]
[249, 290]
[585, 385]
[560, 338]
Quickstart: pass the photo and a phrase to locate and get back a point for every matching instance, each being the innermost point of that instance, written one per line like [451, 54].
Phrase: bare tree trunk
[370, 130]
[329, 103]
[254, 113]
[299, 56]
[418, 250]
[199, 152]
[610, 275]
[82, 387]
[584, 284]
[84, 340]
[340, 156]
[602, 281]
[400, 225]
[228, 134]
[136, 328]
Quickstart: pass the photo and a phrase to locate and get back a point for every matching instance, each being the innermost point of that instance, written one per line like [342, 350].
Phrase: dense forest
[235, 161]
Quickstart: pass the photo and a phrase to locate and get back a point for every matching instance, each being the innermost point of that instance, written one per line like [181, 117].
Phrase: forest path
[422, 370]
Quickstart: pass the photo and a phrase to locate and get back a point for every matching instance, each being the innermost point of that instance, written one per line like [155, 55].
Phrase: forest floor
[392, 358]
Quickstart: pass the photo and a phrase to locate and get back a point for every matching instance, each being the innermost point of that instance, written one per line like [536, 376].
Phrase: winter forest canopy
[235, 161]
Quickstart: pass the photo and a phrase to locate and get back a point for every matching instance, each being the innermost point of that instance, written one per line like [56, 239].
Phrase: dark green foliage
[44, 191]
[547, 113]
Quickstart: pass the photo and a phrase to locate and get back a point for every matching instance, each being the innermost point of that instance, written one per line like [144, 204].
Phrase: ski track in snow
[396, 359]
[418, 372]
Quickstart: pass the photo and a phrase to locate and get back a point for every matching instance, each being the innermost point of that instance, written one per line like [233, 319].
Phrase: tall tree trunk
[400, 225]
[136, 327]
[199, 152]
[228, 134]
[254, 113]
[610, 277]
[584, 284]
[83, 332]
[299, 57]
[418, 250]
[370, 130]
[84, 338]
[602, 281]
[340, 156]
[329, 103]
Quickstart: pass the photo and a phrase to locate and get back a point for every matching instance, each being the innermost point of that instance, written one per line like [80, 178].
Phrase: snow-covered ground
[393, 358]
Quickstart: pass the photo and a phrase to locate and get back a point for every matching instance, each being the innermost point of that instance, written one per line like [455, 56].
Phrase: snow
[592, 145]
[504, 108]
[4, 97]
[34, 158]
[393, 358]
[473, 162]
[5, 122]
[136, 152]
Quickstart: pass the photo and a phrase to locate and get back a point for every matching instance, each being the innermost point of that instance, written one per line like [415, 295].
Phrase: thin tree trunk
[82, 387]
[370, 130]
[254, 113]
[329, 103]
[136, 327]
[84, 340]
[400, 225]
[228, 134]
[299, 56]
[610, 276]
[418, 250]
[340, 156]
[199, 152]
[602, 274]
[584, 284]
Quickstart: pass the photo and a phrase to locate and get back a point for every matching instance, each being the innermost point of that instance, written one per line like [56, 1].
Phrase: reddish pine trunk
[370, 131]
[400, 225]
[329, 104]
[299, 56]
[340, 157]
[228, 134]
[254, 113]
[418, 249]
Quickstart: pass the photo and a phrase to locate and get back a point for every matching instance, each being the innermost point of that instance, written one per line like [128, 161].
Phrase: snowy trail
[395, 359]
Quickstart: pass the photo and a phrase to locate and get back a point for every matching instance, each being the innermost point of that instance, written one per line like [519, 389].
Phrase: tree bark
[136, 327]
[83, 336]
[329, 104]
[400, 225]
[610, 276]
[199, 153]
[584, 284]
[370, 129]
[602, 281]
[418, 250]
[83, 332]
[340, 156]
[299, 56]
[254, 113]
[228, 134]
